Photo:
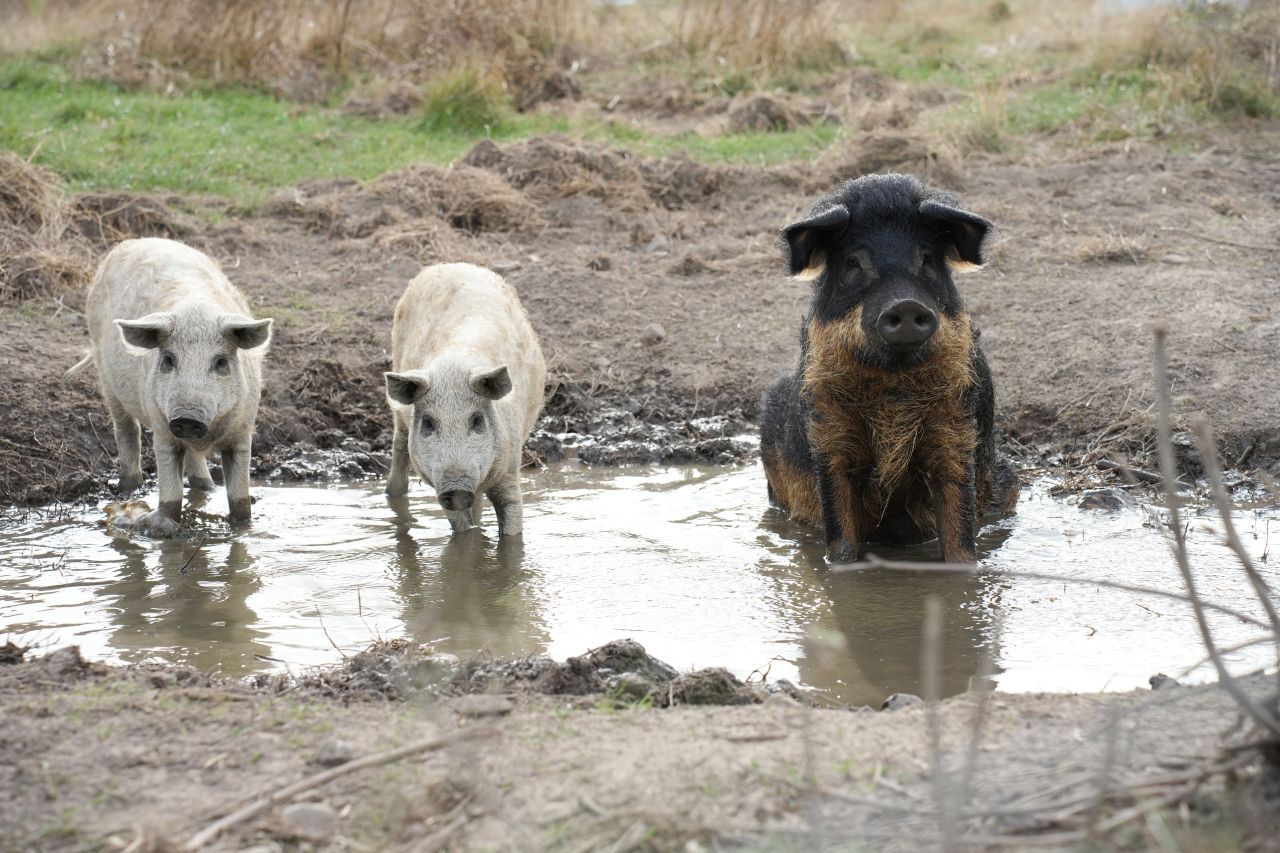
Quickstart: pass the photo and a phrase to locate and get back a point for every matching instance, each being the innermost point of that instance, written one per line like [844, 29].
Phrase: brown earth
[93, 757]
[655, 286]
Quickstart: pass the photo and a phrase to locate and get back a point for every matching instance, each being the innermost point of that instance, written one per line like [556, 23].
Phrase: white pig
[177, 352]
[465, 391]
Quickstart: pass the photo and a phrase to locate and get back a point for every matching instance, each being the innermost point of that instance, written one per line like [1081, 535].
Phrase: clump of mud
[548, 167]
[423, 211]
[107, 217]
[933, 160]
[621, 671]
[387, 670]
[762, 113]
[626, 429]
[58, 666]
[40, 253]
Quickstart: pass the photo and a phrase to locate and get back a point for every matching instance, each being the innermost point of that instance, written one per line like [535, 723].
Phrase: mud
[605, 246]
[102, 757]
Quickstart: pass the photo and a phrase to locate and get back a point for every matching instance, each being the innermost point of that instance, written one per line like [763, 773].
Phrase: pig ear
[244, 332]
[145, 332]
[964, 231]
[494, 383]
[808, 239]
[405, 388]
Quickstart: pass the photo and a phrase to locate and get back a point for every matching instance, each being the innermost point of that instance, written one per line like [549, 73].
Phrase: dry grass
[1212, 54]
[764, 33]
[303, 48]
[40, 254]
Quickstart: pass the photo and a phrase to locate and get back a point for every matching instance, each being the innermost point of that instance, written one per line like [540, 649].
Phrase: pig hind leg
[128, 446]
[196, 467]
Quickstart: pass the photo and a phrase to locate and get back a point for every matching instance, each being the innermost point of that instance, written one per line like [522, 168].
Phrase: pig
[885, 430]
[177, 351]
[465, 389]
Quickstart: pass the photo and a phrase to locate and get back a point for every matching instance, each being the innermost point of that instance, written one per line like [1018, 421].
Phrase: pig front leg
[955, 514]
[196, 467]
[839, 513]
[508, 503]
[128, 447]
[398, 478]
[235, 474]
[163, 521]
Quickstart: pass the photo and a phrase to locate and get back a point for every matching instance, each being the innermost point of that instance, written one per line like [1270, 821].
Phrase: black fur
[878, 240]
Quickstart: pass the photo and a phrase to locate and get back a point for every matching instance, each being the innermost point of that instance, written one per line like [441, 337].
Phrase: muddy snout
[454, 499]
[188, 426]
[906, 324]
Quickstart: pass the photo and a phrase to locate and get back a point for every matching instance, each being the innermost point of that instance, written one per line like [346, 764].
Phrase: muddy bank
[97, 756]
[655, 288]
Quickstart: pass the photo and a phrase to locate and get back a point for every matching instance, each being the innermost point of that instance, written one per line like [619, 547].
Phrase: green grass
[242, 144]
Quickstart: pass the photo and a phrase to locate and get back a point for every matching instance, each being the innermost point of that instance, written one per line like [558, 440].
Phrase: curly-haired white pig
[178, 352]
[465, 391]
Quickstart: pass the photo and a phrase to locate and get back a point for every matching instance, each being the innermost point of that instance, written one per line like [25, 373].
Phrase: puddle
[691, 562]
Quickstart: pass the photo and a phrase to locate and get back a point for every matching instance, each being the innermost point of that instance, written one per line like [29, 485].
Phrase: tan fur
[891, 432]
[794, 488]
[817, 266]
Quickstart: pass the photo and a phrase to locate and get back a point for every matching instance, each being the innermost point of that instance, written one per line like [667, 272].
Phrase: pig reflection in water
[475, 592]
[189, 609]
[869, 642]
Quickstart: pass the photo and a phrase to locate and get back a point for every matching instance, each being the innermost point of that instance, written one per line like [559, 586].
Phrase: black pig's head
[881, 251]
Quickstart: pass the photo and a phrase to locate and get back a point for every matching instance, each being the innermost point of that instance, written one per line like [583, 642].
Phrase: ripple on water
[690, 561]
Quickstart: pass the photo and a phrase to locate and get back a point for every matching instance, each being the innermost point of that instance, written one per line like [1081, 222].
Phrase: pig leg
[128, 447]
[839, 516]
[164, 520]
[196, 467]
[235, 474]
[955, 513]
[509, 506]
[398, 478]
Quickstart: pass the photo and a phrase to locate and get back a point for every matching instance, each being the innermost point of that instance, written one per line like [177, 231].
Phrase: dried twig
[1260, 715]
[274, 798]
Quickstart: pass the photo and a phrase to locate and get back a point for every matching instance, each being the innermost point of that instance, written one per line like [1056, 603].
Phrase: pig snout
[907, 324]
[188, 427]
[457, 499]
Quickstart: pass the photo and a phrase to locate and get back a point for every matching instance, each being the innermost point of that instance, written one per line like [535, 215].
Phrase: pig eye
[221, 365]
[854, 263]
[928, 259]
[476, 424]
[167, 362]
[428, 425]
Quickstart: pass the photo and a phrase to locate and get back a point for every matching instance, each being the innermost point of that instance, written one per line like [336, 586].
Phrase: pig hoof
[158, 526]
[201, 484]
[129, 485]
[843, 551]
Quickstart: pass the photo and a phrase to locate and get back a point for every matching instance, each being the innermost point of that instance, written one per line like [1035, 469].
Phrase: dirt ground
[655, 286]
[145, 758]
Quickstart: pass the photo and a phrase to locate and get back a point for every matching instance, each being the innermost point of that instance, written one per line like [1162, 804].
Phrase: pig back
[141, 277]
[466, 312]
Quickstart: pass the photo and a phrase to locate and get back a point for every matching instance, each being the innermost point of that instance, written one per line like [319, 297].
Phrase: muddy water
[689, 561]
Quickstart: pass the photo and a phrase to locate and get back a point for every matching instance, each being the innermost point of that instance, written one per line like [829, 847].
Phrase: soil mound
[423, 211]
[548, 167]
[111, 217]
[39, 254]
[764, 113]
[932, 160]
[468, 198]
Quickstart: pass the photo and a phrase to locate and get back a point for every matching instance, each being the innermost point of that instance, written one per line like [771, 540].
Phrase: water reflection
[473, 594]
[691, 562]
[191, 606]
[865, 635]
